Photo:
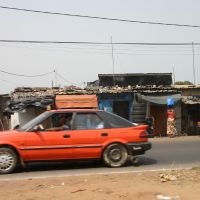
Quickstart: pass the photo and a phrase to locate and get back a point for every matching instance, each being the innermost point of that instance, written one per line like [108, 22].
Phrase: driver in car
[62, 124]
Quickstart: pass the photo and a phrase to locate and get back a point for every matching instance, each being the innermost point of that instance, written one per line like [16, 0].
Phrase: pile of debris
[164, 177]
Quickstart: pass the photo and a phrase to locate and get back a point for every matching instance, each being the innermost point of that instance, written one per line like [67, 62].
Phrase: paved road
[180, 152]
[167, 153]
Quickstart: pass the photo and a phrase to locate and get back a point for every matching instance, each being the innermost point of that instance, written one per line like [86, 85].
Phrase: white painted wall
[24, 116]
[14, 120]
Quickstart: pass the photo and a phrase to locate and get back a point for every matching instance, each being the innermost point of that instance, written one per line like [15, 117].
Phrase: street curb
[92, 174]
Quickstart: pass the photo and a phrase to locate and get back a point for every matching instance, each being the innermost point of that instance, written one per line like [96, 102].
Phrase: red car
[73, 134]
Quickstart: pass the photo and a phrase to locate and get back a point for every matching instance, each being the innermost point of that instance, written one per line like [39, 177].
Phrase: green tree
[183, 83]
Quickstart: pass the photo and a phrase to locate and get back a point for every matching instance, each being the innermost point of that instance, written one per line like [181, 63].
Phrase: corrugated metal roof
[186, 86]
[133, 79]
[136, 74]
[76, 101]
[191, 99]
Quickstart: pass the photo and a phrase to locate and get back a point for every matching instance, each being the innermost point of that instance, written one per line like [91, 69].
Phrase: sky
[79, 64]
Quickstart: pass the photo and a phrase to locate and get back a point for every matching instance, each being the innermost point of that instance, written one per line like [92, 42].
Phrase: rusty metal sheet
[76, 101]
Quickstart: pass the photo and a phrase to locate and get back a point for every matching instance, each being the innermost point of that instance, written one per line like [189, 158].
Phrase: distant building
[190, 112]
[4, 117]
[138, 97]
[136, 100]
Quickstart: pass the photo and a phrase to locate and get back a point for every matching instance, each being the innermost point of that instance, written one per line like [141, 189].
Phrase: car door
[49, 142]
[88, 135]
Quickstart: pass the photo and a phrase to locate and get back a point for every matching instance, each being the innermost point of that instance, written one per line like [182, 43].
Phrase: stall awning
[76, 101]
[162, 100]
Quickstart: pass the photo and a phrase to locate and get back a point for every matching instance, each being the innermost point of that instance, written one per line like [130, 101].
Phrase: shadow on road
[147, 161]
[85, 164]
[60, 165]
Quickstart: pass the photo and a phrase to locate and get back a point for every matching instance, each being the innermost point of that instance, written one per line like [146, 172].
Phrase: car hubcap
[6, 161]
[115, 154]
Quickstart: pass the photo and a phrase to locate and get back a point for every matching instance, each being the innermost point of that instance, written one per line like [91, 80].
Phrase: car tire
[115, 155]
[8, 160]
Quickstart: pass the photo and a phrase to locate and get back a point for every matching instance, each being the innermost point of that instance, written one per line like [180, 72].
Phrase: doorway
[121, 108]
[159, 114]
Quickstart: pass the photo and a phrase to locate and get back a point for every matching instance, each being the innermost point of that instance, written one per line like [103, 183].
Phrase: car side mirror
[38, 128]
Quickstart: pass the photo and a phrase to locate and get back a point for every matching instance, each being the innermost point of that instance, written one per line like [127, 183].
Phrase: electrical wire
[9, 82]
[98, 43]
[129, 50]
[105, 47]
[28, 76]
[64, 78]
[101, 18]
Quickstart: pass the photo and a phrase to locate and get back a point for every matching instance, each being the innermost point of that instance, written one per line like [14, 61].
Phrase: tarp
[19, 105]
[162, 100]
[76, 101]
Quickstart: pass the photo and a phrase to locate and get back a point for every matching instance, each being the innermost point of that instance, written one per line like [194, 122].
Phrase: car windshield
[34, 121]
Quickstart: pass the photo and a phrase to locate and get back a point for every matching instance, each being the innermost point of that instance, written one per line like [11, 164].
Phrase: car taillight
[144, 134]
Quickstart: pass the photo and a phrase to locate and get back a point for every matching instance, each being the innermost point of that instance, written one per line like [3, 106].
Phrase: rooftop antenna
[113, 62]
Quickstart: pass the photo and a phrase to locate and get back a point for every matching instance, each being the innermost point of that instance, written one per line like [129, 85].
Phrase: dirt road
[180, 184]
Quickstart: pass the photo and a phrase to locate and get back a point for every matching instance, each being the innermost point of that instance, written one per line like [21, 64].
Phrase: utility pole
[55, 76]
[174, 75]
[113, 62]
[193, 64]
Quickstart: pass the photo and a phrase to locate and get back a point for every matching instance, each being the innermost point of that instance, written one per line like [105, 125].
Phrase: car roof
[74, 110]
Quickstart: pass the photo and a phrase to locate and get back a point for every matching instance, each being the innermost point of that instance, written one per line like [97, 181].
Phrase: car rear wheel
[8, 160]
[115, 155]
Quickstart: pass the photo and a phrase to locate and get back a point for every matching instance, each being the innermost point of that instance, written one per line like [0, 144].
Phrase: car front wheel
[115, 155]
[8, 160]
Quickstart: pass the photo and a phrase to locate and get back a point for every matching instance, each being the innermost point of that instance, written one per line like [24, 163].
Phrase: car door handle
[104, 134]
[66, 136]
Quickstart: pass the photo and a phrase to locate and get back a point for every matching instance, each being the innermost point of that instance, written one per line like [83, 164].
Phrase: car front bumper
[138, 148]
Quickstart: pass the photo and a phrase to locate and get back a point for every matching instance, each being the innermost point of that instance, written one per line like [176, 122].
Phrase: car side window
[58, 121]
[114, 120]
[87, 121]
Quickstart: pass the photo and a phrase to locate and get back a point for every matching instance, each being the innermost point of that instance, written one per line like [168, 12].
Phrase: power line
[100, 18]
[131, 50]
[9, 82]
[29, 76]
[99, 43]
[67, 81]
[107, 48]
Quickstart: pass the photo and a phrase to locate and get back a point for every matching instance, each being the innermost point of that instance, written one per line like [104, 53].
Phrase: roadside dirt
[179, 185]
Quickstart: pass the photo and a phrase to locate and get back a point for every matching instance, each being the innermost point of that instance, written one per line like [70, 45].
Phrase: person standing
[171, 122]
